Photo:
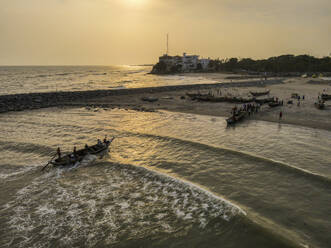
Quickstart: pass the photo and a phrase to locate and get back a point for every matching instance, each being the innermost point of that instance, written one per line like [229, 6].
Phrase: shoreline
[174, 99]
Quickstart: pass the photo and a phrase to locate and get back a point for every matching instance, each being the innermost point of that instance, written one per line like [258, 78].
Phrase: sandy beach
[175, 99]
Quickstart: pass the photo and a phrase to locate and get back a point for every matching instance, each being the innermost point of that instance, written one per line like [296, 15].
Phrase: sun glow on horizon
[135, 2]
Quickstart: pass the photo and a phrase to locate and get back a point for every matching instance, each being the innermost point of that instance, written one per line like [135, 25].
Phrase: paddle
[49, 162]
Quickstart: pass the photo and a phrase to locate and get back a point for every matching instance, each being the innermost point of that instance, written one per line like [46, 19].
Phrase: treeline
[280, 64]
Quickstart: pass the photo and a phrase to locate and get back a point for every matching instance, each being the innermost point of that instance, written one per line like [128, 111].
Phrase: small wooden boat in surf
[235, 118]
[73, 158]
[262, 93]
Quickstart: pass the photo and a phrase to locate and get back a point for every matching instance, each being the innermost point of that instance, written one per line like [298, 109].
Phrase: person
[58, 152]
[280, 115]
[99, 142]
[105, 139]
[75, 152]
[86, 146]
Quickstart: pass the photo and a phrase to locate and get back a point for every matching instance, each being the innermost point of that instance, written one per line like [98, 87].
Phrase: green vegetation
[280, 64]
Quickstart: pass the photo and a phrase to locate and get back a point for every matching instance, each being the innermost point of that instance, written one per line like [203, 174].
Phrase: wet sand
[175, 99]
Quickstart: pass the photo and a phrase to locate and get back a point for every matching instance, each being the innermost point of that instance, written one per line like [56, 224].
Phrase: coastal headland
[174, 98]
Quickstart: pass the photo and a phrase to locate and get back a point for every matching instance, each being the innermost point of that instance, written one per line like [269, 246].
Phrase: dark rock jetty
[20, 102]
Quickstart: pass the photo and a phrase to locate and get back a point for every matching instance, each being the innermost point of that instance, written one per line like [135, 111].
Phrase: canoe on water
[237, 117]
[79, 155]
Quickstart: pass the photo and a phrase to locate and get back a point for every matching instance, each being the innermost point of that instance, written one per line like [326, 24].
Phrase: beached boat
[209, 98]
[320, 104]
[325, 97]
[264, 100]
[274, 104]
[262, 93]
[237, 117]
[76, 157]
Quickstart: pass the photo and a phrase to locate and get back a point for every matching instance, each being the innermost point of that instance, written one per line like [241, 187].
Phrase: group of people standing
[249, 108]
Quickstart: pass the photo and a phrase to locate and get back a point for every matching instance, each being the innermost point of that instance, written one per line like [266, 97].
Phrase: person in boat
[87, 149]
[105, 140]
[58, 152]
[99, 142]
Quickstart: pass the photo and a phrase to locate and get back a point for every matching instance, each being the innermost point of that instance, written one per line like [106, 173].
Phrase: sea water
[170, 180]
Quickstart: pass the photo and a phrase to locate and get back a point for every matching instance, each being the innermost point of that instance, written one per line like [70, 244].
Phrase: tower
[167, 44]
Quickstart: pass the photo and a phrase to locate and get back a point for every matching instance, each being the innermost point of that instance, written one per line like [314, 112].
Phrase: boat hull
[72, 159]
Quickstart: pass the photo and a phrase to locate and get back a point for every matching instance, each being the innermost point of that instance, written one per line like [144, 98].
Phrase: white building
[204, 63]
[187, 62]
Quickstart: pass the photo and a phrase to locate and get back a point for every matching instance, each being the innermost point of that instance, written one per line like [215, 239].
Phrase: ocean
[169, 180]
[28, 79]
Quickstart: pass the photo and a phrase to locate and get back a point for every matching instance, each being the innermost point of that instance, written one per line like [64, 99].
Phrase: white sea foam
[103, 205]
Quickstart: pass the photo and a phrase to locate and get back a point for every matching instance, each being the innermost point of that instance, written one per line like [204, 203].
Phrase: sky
[116, 32]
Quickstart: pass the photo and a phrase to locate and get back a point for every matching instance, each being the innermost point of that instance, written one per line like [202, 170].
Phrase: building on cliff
[176, 64]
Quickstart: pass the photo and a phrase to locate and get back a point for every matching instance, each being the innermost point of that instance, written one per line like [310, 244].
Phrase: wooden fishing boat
[237, 117]
[261, 93]
[76, 157]
[209, 98]
[325, 97]
[274, 104]
[264, 100]
[320, 104]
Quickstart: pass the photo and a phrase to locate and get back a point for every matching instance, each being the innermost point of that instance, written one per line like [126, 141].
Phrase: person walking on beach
[280, 115]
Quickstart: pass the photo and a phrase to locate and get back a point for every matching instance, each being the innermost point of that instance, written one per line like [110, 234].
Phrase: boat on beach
[72, 158]
[261, 93]
[325, 97]
[274, 104]
[320, 104]
[211, 98]
[264, 100]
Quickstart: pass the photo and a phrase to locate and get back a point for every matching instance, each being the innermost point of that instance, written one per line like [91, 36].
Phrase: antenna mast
[167, 44]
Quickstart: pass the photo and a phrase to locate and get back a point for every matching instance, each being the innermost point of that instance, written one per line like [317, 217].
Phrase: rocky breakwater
[19, 102]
